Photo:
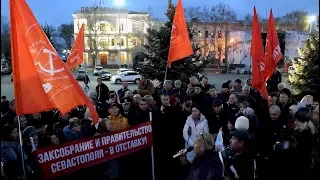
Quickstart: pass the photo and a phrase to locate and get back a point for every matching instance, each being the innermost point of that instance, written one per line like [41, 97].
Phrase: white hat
[242, 123]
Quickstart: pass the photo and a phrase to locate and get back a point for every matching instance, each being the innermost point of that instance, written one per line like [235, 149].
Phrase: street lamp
[310, 20]
[119, 4]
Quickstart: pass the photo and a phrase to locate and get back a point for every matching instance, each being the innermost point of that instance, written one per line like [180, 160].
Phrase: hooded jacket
[202, 126]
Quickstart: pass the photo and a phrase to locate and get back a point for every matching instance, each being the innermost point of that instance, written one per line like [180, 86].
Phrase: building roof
[106, 10]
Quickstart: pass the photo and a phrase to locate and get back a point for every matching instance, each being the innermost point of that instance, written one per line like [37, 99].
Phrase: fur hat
[242, 123]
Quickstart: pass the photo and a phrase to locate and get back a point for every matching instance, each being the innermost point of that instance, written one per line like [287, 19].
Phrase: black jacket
[216, 121]
[102, 93]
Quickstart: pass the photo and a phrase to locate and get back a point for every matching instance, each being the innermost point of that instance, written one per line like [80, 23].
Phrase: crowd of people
[235, 133]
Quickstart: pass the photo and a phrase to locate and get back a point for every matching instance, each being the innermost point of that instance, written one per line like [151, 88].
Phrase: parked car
[81, 69]
[122, 70]
[97, 70]
[105, 75]
[129, 76]
[81, 74]
[5, 70]
[291, 70]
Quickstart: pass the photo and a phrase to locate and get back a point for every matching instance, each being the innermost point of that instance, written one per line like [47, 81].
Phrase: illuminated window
[121, 27]
[112, 42]
[122, 42]
[103, 27]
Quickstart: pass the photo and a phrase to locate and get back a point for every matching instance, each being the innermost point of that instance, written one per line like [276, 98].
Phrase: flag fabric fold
[76, 55]
[180, 45]
[258, 59]
[273, 51]
[41, 80]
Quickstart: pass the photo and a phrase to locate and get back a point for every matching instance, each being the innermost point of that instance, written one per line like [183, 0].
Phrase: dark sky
[55, 12]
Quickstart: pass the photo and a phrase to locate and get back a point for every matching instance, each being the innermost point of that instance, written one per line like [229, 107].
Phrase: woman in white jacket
[195, 124]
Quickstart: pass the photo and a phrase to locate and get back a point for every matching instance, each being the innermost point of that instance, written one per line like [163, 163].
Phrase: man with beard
[164, 131]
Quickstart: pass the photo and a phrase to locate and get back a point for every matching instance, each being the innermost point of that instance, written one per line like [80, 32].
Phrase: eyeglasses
[205, 145]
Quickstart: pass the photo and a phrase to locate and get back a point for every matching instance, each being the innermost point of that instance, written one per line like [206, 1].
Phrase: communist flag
[273, 51]
[257, 56]
[41, 79]
[180, 45]
[76, 55]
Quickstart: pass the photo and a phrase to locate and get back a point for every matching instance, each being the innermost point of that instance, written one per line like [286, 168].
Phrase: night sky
[55, 12]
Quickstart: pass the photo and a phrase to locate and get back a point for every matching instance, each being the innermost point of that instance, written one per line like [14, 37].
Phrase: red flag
[41, 79]
[180, 45]
[273, 51]
[76, 55]
[258, 59]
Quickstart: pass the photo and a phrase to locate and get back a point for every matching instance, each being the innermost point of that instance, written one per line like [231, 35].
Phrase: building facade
[112, 36]
[215, 39]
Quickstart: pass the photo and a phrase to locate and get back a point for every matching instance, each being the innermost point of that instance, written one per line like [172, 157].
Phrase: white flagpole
[152, 155]
[165, 75]
[21, 148]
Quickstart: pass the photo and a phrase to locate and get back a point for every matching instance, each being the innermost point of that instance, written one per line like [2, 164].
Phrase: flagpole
[152, 155]
[85, 77]
[165, 75]
[21, 148]
[249, 78]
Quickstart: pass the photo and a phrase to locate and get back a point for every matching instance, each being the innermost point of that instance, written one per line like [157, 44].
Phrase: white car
[129, 76]
[122, 70]
[97, 70]
[291, 70]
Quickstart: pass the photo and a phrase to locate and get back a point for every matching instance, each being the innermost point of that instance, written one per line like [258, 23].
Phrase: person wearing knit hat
[242, 123]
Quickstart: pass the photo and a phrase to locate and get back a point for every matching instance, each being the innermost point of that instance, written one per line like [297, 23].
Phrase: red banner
[65, 158]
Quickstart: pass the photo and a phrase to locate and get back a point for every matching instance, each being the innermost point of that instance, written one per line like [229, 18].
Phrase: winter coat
[202, 126]
[145, 88]
[206, 166]
[102, 92]
[122, 92]
[11, 157]
[71, 135]
[117, 122]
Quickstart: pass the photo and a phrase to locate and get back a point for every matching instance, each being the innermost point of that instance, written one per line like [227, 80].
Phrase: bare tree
[66, 33]
[93, 16]
[297, 18]
[51, 33]
[223, 13]
[5, 36]
[248, 19]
